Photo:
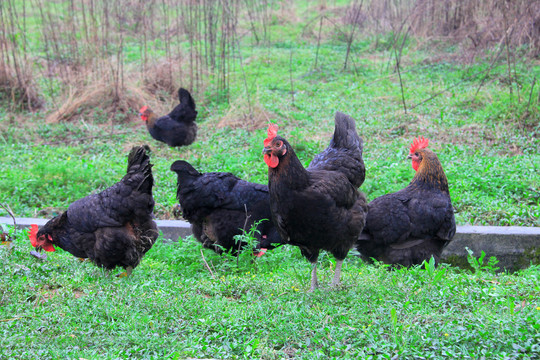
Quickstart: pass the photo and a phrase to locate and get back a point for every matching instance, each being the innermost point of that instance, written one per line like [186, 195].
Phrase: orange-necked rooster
[112, 228]
[411, 225]
[318, 208]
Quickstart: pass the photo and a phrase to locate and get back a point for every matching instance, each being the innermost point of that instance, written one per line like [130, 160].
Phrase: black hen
[112, 228]
[178, 128]
[318, 208]
[412, 225]
[219, 205]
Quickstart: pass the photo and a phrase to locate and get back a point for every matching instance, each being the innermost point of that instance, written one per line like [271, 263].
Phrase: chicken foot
[126, 273]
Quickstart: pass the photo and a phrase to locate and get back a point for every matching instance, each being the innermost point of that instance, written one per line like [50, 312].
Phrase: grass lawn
[491, 162]
[173, 307]
[484, 128]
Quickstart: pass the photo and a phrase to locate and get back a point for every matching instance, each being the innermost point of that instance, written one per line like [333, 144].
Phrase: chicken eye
[279, 143]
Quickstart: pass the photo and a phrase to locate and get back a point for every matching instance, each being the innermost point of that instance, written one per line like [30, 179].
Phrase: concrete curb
[172, 229]
[514, 246]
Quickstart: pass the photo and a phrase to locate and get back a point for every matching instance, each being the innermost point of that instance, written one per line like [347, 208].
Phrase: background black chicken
[112, 228]
[318, 208]
[220, 205]
[415, 223]
[178, 128]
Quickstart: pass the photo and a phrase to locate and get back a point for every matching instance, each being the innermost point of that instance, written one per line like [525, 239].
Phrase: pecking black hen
[178, 128]
[219, 206]
[112, 228]
[411, 225]
[318, 208]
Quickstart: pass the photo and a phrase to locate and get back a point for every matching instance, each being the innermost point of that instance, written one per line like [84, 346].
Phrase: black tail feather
[139, 162]
[185, 98]
[345, 135]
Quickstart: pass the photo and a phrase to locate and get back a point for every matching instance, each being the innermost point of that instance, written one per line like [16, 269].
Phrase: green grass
[490, 157]
[172, 307]
[488, 142]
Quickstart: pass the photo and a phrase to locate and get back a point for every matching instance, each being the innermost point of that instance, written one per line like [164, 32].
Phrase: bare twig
[291, 78]
[448, 88]
[507, 47]
[15, 318]
[400, 81]
[494, 61]
[530, 94]
[318, 42]
[10, 212]
[207, 266]
[243, 232]
[356, 15]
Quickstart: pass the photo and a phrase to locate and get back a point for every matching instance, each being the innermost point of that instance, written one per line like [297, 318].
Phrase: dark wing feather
[172, 132]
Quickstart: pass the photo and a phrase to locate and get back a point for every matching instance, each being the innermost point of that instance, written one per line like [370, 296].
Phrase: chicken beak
[266, 150]
[409, 156]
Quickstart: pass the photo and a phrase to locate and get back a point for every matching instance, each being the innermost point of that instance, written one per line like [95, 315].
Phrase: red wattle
[48, 247]
[271, 160]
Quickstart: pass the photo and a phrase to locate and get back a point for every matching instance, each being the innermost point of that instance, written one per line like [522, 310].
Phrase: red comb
[419, 143]
[143, 109]
[32, 234]
[272, 133]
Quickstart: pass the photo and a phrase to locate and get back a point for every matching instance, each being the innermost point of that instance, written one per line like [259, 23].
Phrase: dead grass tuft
[242, 115]
[287, 13]
[163, 77]
[96, 99]
[19, 90]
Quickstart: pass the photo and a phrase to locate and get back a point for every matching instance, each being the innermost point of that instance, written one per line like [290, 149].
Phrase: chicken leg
[337, 273]
[314, 282]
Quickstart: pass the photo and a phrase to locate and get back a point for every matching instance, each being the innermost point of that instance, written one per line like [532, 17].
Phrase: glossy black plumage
[344, 154]
[114, 227]
[219, 205]
[319, 208]
[411, 225]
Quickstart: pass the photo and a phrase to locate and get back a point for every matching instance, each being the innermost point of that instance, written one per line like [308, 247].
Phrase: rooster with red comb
[416, 223]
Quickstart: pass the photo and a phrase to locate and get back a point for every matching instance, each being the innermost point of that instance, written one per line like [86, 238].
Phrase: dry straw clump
[19, 89]
[106, 97]
[164, 76]
[248, 115]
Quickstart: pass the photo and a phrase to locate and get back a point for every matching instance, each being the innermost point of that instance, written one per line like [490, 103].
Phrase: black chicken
[412, 225]
[178, 128]
[112, 228]
[318, 208]
[219, 206]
